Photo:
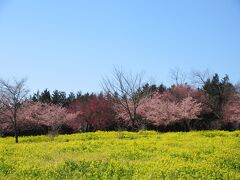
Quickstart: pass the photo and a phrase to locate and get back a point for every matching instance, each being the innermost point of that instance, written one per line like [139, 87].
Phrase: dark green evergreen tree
[79, 95]
[218, 94]
[45, 96]
[71, 97]
[36, 97]
[59, 98]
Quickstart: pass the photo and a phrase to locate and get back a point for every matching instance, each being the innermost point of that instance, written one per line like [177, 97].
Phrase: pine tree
[45, 96]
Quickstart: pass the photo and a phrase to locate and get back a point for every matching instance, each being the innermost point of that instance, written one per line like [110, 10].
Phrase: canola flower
[123, 155]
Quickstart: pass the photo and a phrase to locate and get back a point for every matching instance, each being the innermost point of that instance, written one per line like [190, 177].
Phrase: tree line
[126, 103]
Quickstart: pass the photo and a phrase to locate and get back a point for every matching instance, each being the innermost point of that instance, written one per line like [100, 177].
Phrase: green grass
[123, 155]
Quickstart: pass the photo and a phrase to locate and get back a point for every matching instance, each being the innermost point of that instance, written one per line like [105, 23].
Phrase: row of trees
[125, 104]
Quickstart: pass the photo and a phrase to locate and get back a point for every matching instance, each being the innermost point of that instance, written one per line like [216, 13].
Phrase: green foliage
[123, 155]
[59, 98]
[45, 97]
[219, 93]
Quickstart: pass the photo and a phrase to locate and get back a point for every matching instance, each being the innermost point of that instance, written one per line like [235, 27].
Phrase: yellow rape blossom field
[123, 155]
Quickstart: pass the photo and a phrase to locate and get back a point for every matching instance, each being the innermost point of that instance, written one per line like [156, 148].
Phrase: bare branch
[199, 78]
[124, 90]
[177, 76]
[11, 98]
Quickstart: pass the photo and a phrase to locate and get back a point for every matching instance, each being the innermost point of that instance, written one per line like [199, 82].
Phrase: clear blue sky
[69, 45]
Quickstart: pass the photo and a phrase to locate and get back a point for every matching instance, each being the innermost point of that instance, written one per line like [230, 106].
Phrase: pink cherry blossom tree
[160, 110]
[43, 114]
[232, 111]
